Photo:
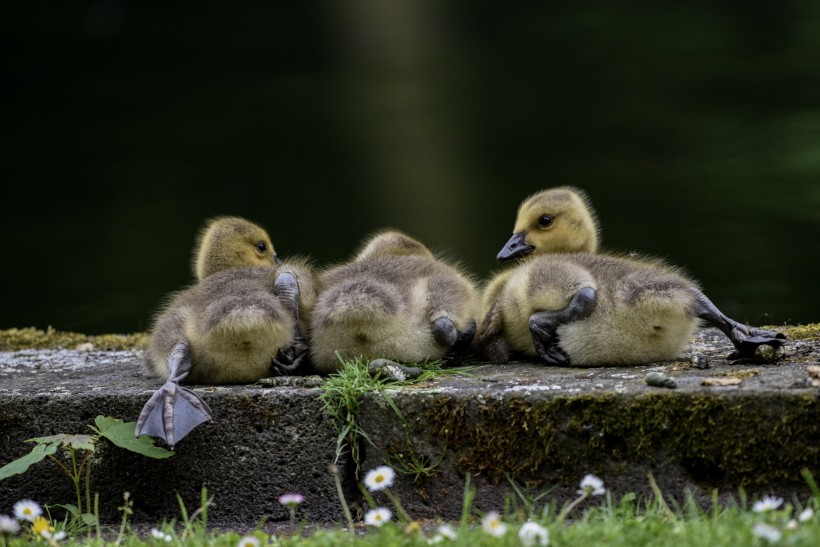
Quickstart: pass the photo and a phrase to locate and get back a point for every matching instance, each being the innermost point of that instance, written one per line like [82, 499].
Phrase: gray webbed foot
[293, 360]
[286, 288]
[544, 325]
[746, 339]
[462, 345]
[173, 411]
[444, 331]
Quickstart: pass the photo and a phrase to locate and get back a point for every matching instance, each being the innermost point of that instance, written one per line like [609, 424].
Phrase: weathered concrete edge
[692, 443]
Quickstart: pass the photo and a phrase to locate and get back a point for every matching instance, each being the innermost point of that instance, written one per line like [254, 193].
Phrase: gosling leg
[746, 339]
[544, 324]
[173, 411]
[293, 360]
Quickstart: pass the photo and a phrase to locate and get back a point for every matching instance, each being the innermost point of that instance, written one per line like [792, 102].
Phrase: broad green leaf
[68, 507]
[51, 439]
[122, 435]
[21, 465]
[80, 442]
[89, 519]
[77, 442]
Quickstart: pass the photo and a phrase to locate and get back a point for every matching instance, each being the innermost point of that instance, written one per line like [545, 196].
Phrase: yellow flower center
[27, 511]
[379, 478]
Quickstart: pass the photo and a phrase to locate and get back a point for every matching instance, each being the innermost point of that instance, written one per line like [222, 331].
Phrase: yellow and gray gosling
[241, 321]
[568, 305]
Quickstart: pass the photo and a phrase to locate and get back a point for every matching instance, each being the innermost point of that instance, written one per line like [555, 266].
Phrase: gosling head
[558, 220]
[231, 242]
[392, 243]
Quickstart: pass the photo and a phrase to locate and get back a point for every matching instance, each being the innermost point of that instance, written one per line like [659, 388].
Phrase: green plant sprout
[77, 465]
[343, 392]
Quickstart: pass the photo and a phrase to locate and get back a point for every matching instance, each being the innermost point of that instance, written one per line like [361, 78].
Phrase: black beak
[516, 247]
[277, 260]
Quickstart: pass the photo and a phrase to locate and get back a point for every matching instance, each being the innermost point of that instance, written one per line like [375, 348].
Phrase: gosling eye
[261, 247]
[544, 221]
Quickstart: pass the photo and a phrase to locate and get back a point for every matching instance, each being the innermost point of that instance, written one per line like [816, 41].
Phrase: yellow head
[558, 220]
[231, 242]
[392, 243]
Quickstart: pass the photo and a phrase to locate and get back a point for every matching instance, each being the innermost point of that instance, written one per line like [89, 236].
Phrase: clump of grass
[343, 392]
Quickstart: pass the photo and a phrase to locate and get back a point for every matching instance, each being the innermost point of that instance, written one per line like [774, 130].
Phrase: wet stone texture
[262, 442]
[725, 425]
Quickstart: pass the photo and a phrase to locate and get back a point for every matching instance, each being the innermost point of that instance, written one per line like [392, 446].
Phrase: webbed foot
[544, 325]
[444, 331]
[293, 360]
[173, 411]
[461, 347]
[746, 339]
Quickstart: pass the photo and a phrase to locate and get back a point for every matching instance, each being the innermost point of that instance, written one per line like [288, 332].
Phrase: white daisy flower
[447, 531]
[248, 541]
[160, 535]
[438, 538]
[806, 514]
[379, 478]
[592, 485]
[292, 499]
[532, 533]
[8, 525]
[492, 524]
[768, 503]
[378, 516]
[56, 536]
[769, 533]
[27, 510]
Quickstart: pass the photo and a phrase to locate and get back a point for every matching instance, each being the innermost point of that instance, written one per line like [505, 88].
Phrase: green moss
[802, 332]
[31, 338]
[740, 439]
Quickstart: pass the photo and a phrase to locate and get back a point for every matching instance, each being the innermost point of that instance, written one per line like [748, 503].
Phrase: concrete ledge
[544, 427]
[548, 427]
[262, 442]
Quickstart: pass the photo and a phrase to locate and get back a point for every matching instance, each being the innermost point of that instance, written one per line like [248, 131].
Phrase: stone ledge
[543, 426]
[262, 442]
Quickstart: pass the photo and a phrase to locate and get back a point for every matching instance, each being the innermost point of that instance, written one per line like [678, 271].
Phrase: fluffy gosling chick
[393, 300]
[238, 321]
[567, 305]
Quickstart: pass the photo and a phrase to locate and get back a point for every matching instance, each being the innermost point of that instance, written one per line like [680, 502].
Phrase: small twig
[659, 496]
[334, 470]
[196, 513]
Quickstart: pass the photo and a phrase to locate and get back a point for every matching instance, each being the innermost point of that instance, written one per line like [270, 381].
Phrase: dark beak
[277, 260]
[516, 247]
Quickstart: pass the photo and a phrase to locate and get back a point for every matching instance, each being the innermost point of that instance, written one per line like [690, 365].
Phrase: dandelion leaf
[122, 435]
[21, 465]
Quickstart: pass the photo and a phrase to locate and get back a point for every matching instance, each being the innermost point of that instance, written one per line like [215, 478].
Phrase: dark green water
[696, 131]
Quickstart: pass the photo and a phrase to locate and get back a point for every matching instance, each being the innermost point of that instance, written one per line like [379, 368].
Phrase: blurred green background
[694, 127]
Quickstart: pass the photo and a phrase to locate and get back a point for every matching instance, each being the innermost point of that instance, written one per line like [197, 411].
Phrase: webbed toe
[172, 413]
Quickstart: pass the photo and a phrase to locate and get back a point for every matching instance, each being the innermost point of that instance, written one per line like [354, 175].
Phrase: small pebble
[393, 370]
[659, 379]
[700, 361]
[767, 354]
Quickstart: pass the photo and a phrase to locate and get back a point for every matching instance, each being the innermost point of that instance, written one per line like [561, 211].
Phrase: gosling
[243, 320]
[568, 305]
[393, 300]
